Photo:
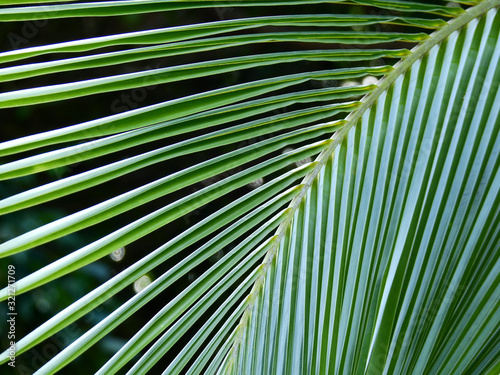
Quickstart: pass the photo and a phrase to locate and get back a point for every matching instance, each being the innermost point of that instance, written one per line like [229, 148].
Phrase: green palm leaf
[378, 254]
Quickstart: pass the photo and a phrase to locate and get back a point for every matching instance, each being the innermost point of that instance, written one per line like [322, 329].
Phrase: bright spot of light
[300, 162]
[349, 83]
[303, 162]
[42, 305]
[217, 256]
[141, 283]
[118, 254]
[255, 184]
[370, 80]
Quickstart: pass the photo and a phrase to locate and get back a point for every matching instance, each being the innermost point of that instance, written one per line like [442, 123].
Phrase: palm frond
[335, 261]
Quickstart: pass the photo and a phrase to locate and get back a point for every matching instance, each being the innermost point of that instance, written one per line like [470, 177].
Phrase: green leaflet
[206, 44]
[412, 6]
[72, 90]
[108, 8]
